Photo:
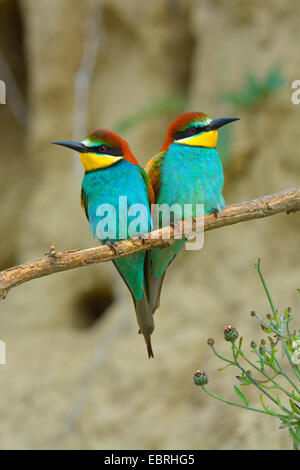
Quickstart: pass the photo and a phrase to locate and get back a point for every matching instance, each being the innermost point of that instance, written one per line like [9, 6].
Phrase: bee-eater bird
[112, 173]
[187, 170]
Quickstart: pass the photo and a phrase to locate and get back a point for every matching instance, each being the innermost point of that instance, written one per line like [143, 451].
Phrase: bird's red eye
[103, 148]
[192, 130]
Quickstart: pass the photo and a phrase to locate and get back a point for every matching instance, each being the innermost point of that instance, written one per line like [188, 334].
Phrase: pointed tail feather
[162, 260]
[155, 285]
[145, 320]
[143, 314]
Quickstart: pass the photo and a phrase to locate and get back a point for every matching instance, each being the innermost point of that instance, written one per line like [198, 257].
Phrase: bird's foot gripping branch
[56, 261]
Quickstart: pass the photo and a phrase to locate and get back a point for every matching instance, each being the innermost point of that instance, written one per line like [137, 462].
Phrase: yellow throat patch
[207, 139]
[94, 161]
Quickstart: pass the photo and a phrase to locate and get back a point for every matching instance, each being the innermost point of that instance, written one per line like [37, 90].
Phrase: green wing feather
[154, 284]
[148, 184]
[153, 170]
[84, 202]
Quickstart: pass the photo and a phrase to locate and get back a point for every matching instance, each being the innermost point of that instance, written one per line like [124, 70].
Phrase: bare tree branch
[56, 261]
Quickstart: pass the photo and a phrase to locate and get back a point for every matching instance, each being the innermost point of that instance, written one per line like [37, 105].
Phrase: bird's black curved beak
[217, 123]
[77, 146]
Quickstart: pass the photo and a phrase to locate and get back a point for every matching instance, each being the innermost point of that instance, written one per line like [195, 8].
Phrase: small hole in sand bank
[90, 307]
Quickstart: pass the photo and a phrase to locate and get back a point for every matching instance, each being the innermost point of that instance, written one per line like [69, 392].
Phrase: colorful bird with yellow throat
[111, 174]
[187, 170]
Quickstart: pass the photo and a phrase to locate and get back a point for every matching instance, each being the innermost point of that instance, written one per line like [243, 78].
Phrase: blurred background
[77, 375]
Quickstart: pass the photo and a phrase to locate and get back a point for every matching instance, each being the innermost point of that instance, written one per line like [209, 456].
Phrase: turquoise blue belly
[189, 175]
[109, 222]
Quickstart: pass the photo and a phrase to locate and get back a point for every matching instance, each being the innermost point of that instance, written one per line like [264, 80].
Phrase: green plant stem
[285, 375]
[266, 375]
[259, 387]
[237, 364]
[221, 357]
[293, 366]
[288, 328]
[270, 327]
[294, 437]
[285, 349]
[283, 417]
[265, 288]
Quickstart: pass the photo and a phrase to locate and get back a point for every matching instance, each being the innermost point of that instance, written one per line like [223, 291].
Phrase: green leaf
[236, 350]
[265, 329]
[269, 387]
[298, 433]
[295, 435]
[225, 367]
[265, 407]
[295, 407]
[295, 397]
[272, 357]
[280, 404]
[241, 395]
[244, 380]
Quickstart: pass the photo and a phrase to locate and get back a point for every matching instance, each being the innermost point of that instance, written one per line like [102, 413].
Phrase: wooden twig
[56, 261]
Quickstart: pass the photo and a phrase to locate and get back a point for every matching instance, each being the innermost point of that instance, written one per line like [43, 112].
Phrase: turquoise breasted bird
[187, 170]
[112, 176]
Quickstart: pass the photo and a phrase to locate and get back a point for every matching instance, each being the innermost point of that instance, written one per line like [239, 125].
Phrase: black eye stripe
[106, 150]
[188, 132]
